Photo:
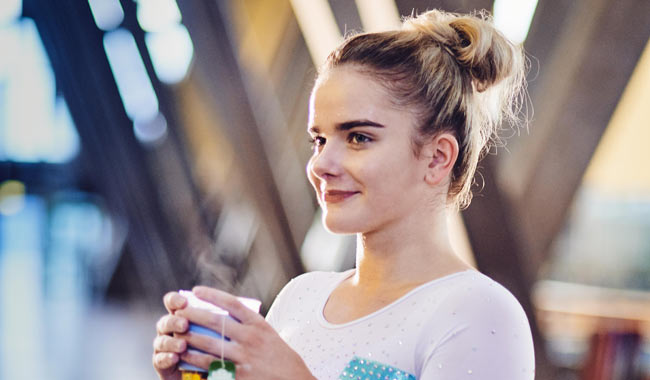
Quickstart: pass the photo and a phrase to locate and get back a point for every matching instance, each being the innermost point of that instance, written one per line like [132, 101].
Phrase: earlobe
[442, 153]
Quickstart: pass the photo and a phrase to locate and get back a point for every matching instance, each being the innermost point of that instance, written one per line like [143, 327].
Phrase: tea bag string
[223, 339]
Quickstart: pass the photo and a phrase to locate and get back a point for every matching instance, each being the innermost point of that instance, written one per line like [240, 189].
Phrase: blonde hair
[457, 73]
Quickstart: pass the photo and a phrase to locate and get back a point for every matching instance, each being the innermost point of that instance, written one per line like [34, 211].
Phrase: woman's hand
[256, 349]
[167, 348]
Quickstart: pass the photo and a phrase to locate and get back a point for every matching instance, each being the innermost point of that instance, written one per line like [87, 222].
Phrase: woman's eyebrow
[357, 123]
[347, 125]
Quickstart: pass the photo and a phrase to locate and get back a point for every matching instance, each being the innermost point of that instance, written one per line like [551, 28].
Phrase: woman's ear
[441, 154]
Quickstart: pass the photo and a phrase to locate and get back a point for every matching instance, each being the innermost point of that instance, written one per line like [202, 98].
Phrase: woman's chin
[343, 226]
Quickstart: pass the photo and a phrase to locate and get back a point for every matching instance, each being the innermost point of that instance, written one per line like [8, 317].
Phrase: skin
[399, 206]
[368, 182]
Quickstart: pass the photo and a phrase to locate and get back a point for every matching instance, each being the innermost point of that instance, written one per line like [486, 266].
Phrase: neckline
[349, 273]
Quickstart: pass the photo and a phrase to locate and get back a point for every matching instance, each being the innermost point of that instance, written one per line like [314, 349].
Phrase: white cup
[194, 301]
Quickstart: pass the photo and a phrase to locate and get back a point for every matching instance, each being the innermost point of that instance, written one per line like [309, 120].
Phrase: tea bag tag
[221, 370]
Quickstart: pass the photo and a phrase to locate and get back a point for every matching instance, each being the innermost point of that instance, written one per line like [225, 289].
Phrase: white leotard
[461, 326]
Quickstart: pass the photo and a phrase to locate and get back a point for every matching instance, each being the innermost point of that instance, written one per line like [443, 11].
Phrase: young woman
[398, 122]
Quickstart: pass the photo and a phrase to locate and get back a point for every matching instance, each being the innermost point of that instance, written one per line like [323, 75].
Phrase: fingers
[169, 324]
[214, 346]
[168, 344]
[213, 321]
[199, 359]
[174, 301]
[227, 302]
[165, 360]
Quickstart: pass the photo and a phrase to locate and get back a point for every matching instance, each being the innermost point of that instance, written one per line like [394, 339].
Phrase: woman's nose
[326, 163]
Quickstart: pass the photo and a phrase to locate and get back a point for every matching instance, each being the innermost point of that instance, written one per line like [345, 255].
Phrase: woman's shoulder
[481, 317]
[313, 282]
[319, 277]
[472, 304]
[474, 298]
[476, 290]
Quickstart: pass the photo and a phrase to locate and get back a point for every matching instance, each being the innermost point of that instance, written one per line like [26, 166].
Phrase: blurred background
[150, 145]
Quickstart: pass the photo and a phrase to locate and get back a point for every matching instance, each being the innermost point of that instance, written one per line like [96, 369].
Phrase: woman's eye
[358, 138]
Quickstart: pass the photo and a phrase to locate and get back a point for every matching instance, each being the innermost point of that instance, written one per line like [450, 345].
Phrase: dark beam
[346, 15]
[579, 87]
[406, 7]
[42, 178]
[583, 70]
[224, 81]
[115, 161]
[169, 160]
[542, 39]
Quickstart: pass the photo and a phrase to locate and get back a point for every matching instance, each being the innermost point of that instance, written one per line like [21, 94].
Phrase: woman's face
[363, 167]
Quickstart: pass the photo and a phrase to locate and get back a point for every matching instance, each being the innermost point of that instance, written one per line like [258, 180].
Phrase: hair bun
[474, 41]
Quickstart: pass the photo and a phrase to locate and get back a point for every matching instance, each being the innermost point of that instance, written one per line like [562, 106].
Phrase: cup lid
[194, 301]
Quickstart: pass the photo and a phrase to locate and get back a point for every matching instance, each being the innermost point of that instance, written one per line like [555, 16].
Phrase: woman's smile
[337, 196]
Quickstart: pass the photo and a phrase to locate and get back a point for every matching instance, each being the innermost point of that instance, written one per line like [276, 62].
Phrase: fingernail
[180, 301]
[181, 325]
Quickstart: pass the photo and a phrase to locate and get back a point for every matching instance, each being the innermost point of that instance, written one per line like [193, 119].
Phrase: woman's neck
[404, 254]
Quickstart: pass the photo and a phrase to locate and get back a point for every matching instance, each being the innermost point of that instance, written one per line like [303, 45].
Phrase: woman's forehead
[351, 79]
[348, 92]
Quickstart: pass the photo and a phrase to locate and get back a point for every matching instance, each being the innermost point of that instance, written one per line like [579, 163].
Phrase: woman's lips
[336, 196]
